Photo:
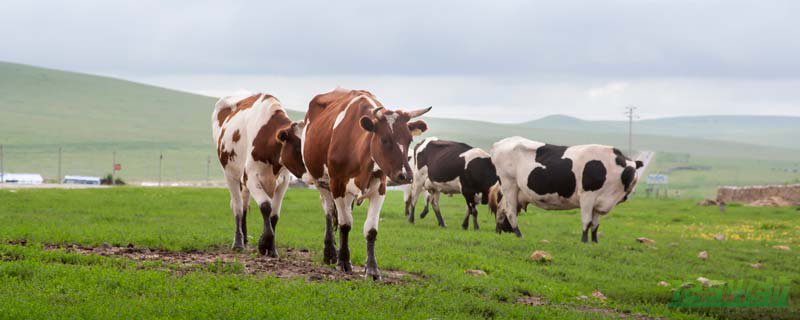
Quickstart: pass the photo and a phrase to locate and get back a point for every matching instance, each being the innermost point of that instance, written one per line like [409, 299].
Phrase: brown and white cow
[258, 147]
[594, 178]
[352, 144]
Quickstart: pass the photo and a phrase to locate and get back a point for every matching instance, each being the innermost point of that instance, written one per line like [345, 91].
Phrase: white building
[82, 180]
[21, 178]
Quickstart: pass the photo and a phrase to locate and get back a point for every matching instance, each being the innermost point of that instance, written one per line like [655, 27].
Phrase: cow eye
[384, 141]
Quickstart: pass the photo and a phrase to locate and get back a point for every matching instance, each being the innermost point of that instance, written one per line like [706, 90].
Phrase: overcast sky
[505, 61]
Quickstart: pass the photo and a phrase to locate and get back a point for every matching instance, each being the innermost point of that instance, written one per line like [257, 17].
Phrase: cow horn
[419, 112]
[377, 112]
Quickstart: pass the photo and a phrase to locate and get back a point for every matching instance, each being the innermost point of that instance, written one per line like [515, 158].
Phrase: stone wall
[788, 194]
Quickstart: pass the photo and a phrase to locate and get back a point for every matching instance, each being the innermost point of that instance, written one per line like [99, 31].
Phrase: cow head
[392, 132]
[291, 138]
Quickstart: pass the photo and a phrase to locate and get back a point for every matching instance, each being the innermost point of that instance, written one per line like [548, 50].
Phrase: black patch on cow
[442, 159]
[479, 177]
[627, 177]
[594, 175]
[556, 176]
[639, 164]
[621, 159]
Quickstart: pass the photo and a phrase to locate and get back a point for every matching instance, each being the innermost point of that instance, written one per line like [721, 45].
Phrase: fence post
[59, 166]
[2, 166]
[160, 160]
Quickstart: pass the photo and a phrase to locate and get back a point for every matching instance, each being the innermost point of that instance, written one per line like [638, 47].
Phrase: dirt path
[292, 263]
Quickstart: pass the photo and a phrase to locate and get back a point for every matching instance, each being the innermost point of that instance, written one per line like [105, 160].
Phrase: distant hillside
[90, 117]
[779, 131]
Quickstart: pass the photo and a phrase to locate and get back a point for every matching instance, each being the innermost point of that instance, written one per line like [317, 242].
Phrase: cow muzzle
[402, 178]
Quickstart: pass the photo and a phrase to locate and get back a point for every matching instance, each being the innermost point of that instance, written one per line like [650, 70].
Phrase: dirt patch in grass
[292, 263]
[535, 301]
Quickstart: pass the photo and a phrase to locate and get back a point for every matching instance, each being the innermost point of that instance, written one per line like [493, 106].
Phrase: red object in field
[117, 167]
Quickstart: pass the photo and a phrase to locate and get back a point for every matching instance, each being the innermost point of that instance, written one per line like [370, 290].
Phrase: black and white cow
[594, 178]
[449, 167]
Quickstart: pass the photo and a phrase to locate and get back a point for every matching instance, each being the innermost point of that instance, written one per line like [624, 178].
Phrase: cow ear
[639, 164]
[417, 127]
[283, 135]
[368, 124]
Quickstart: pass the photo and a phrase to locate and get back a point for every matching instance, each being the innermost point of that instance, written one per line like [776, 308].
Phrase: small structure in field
[81, 180]
[772, 196]
[21, 178]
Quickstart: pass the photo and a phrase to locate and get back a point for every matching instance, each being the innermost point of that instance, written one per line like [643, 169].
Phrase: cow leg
[424, 212]
[236, 206]
[277, 200]
[371, 230]
[343, 202]
[595, 226]
[510, 210]
[245, 207]
[262, 186]
[475, 217]
[465, 223]
[410, 204]
[434, 196]
[329, 254]
[587, 209]
[414, 190]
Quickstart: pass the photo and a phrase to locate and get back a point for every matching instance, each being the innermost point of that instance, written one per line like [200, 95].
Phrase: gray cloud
[740, 39]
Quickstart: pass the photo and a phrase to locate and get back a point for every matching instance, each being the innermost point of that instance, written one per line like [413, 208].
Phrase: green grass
[90, 117]
[36, 283]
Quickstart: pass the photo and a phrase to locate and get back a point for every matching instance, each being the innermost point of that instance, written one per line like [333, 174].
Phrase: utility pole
[208, 169]
[630, 111]
[59, 166]
[160, 160]
[113, 167]
[2, 166]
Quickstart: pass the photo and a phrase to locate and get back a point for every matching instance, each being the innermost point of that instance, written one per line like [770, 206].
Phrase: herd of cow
[349, 144]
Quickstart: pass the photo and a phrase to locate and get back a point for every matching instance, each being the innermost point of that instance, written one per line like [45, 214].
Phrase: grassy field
[90, 117]
[40, 283]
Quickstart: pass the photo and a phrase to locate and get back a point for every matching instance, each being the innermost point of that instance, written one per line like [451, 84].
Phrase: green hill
[779, 131]
[91, 117]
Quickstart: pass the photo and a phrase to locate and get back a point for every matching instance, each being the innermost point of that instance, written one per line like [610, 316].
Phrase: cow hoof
[329, 255]
[372, 272]
[443, 225]
[237, 247]
[266, 247]
[345, 266]
[423, 214]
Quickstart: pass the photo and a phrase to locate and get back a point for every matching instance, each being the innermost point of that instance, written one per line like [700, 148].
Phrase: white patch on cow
[472, 154]
[421, 146]
[352, 188]
[390, 119]
[375, 204]
[340, 117]
[448, 187]
[303, 144]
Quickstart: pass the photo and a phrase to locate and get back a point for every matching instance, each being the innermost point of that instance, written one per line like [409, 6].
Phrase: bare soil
[292, 263]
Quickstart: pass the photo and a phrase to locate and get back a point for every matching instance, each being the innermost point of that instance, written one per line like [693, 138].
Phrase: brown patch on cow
[224, 156]
[236, 136]
[266, 147]
[223, 114]
[244, 178]
[293, 263]
[244, 104]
